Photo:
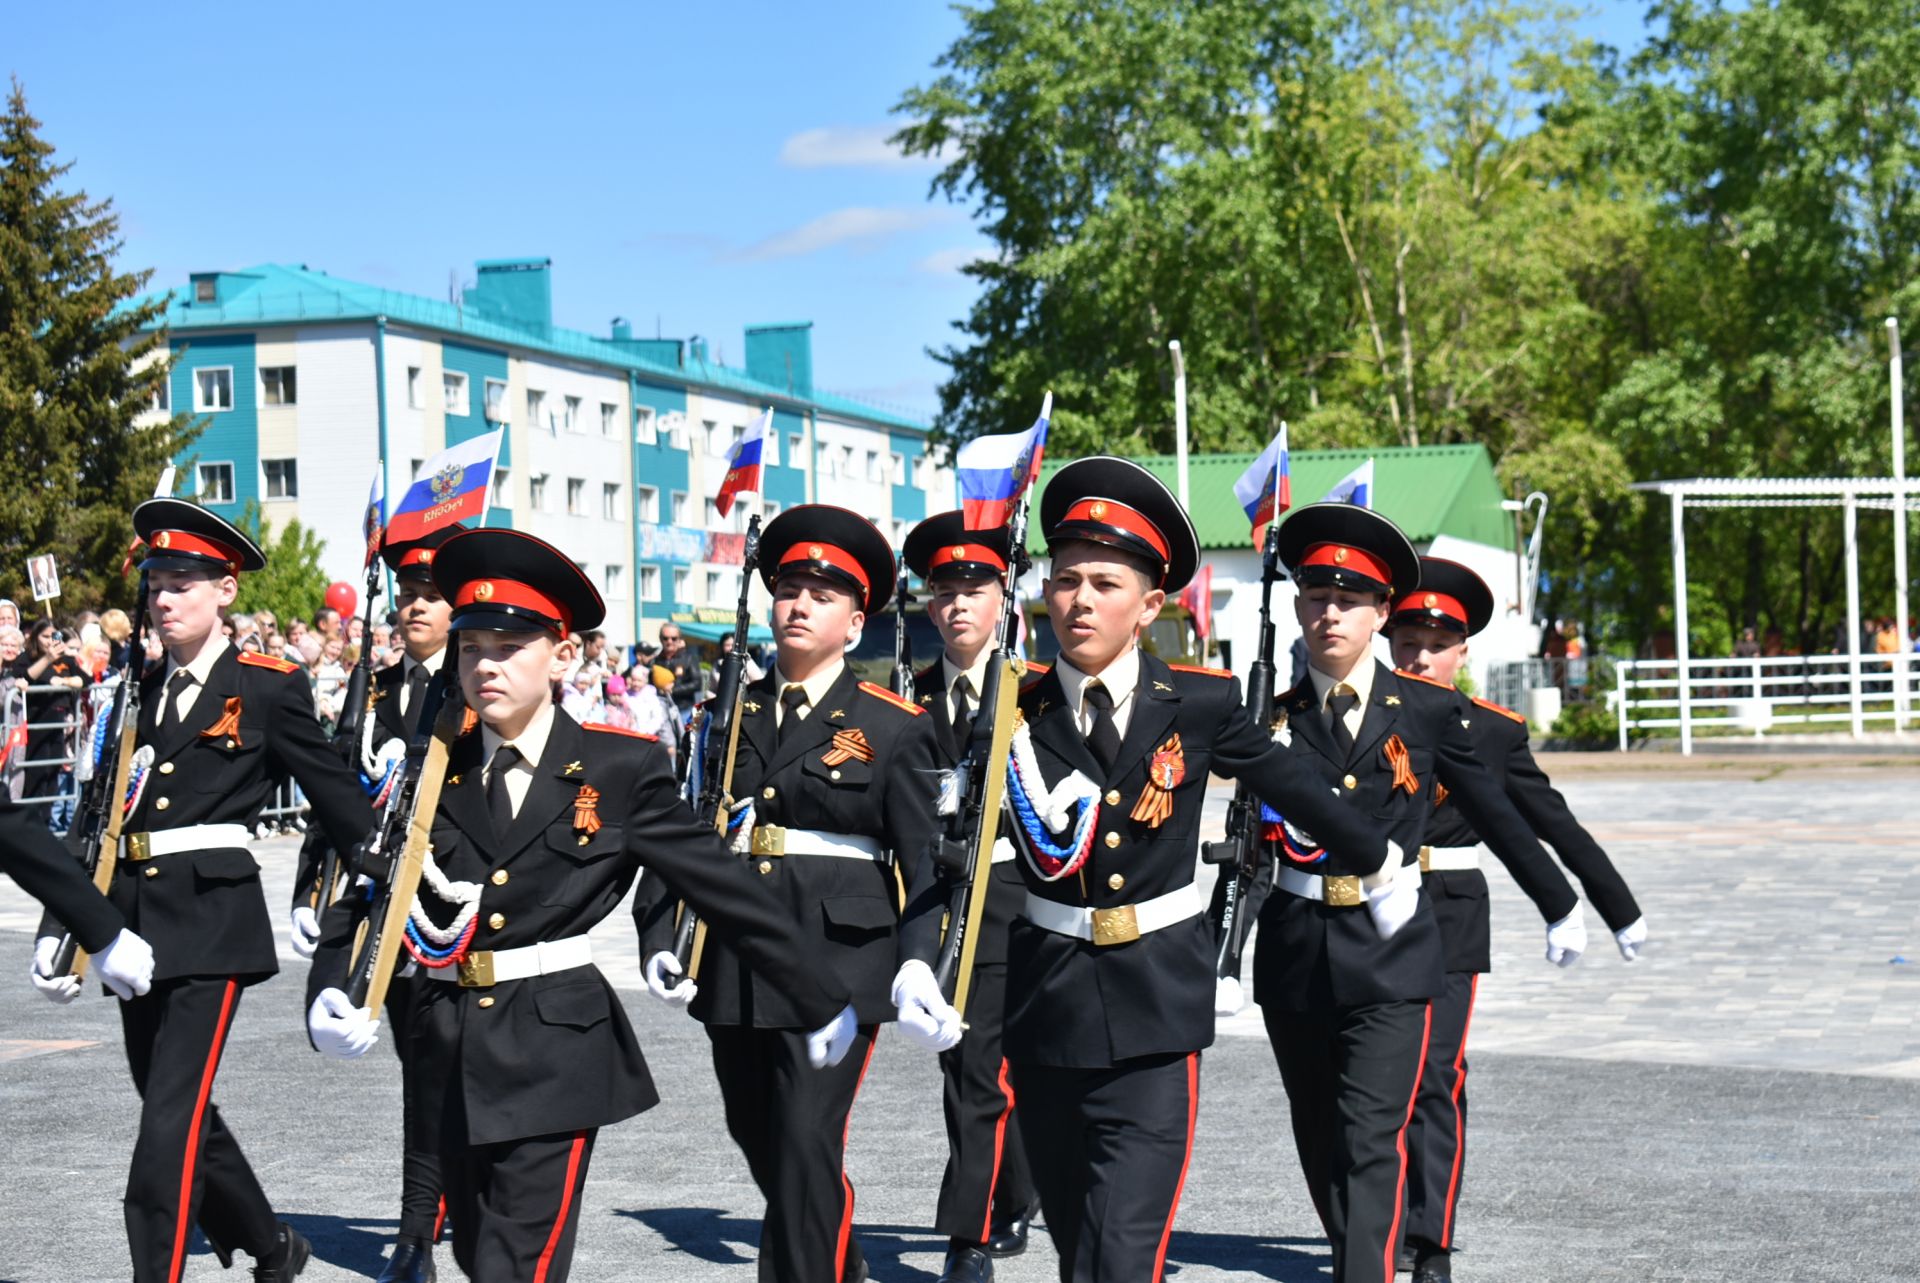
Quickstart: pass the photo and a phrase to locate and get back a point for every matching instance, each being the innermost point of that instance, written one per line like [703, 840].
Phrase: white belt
[1117, 925]
[771, 839]
[497, 966]
[194, 837]
[1343, 891]
[1447, 859]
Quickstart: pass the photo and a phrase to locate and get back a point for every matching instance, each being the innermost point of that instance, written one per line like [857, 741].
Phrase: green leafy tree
[77, 367]
[293, 585]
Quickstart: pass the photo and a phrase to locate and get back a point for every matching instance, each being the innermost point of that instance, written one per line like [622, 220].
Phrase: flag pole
[1180, 420]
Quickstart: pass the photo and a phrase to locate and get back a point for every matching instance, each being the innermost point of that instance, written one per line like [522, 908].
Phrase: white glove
[1632, 938]
[304, 934]
[63, 990]
[1228, 997]
[665, 981]
[126, 965]
[1567, 938]
[1392, 904]
[827, 1046]
[927, 1019]
[340, 1029]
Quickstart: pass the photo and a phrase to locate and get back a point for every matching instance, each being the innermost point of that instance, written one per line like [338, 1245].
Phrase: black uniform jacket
[383, 706]
[250, 727]
[555, 1053]
[1313, 956]
[1460, 895]
[1072, 1003]
[848, 909]
[47, 871]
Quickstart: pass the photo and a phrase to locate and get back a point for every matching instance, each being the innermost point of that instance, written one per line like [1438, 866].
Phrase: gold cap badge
[1098, 511]
[1339, 556]
[164, 539]
[1433, 602]
[816, 552]
[483, 591]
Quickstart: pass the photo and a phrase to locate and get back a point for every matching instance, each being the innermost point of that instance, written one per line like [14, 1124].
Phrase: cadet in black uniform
[1110, 965]
[394, 700]
[541, 827]
[219, 727]
[836, 778]
[1350, 954]
[34, 858]
[1429, 630]
[986, 1196]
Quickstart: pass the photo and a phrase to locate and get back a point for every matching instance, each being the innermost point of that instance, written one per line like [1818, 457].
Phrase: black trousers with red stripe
[187, 1168]
[1352, 1074]
[515, 1206]
[790, 1121]
[986, 1165]
[1109, 1150]
[1437, 1137]
[422, 1096]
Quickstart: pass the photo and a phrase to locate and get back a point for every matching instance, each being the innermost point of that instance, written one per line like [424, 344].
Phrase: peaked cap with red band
[1120, 504]
[1450, 596]
[942, 546]
[184, 536]
[1343, 545]
[413, 559]
[835, 543]
[504, 581]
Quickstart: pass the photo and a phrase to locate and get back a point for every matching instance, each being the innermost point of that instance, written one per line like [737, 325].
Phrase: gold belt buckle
[476, 970]
[139, 846]
[1343, 892]
[1426, 859]
[1115, 926]
[769, 839]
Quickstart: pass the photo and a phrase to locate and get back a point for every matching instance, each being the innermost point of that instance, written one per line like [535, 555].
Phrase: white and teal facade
[614, 448]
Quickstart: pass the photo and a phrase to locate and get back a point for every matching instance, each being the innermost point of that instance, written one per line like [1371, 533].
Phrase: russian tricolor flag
[1265, 489]
[1355, 488]
[453, 486]
[995, 471]
[374, 524]
[743, 462]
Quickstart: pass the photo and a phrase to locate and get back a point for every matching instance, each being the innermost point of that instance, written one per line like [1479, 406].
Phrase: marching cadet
[34, 858]
[1350, 956]
[1428, 629]
[542, 825]
[835, 780]
[395, 698]
[218, 728]
[986, 1196]
[1110, 965]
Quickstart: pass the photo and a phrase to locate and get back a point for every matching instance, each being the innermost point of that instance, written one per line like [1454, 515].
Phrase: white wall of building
[338, 436]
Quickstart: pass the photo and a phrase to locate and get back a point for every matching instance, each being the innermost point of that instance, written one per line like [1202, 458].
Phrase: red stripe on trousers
[1193, 1114]
[1459, 1123]
[439, 1218]
[566, 1204]
[999, 1148]
[193, 1130]
[846, 1130]
[1400, 1142]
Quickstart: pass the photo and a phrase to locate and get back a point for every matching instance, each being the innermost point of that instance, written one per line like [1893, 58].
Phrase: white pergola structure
[1850, 494]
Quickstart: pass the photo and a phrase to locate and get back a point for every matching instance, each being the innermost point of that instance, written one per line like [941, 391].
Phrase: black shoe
[287, 1259]
[967, 1264]
[411, 1262]
[1009, 1236]
[1435, 1271]
[1403, 1260]
[855, 1270]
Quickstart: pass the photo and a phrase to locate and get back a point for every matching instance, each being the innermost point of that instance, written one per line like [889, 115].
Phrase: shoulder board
[1501, 709]
[257, 660]
[1033, 675]
[1204, 672]
[1416, 677]
[618, 730]
[881, 692]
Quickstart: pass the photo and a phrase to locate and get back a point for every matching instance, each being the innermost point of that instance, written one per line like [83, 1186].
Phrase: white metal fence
[1854, 694]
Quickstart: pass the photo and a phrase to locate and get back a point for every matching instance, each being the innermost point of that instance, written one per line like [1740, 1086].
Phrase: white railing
[1751, 697]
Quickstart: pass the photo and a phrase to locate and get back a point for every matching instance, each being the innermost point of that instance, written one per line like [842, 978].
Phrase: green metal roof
[280, 294]
[1429, 491]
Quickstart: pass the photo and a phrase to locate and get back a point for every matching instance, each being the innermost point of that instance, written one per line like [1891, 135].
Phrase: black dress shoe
[967, 1265]
[1009, 1236]
[287, 1259]
[1437, 1270]
[855, 1269]
[1403, 1260]
[411, 1262]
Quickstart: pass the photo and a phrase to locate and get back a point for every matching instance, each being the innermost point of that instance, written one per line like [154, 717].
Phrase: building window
[496, 394]
[769, 449]
[678, 508]
[769, 510]
[716, 438]
[537, 410]
[873, 467]
[899, 533]
[502, 488]
[796, 450]
[413, 468]
[920, 472]
[609, 501]
[283, 478]
[714, 592]
[162, 402]
[537, 492]
[414, 401]
[645, 430]
[213, 389]
[277, 385]
[215, 483]
[649, 583]
[846, 462]
[610, 420]
[649, 497]
[616, 581]
[897, 469]
[823, 461]
[205, 291]
[572, 418]
[453, 392]
[682, 584]
[576, 497]
[677, 430]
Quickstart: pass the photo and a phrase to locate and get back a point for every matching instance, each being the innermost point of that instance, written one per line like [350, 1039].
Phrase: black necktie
[416, 687]
[1103, 737]
[176, 687]
[962, 714]
[792, 700]
[499, 801]
[1339, 704]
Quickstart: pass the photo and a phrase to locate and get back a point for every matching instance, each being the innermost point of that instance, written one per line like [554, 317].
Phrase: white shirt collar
[1360, 679]
[203, 663]
[431, 663]
[531, 742]
[1120, 678]
[976, 673]
[816, 686]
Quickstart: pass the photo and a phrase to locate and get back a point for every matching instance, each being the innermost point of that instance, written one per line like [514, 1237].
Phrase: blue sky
[699, 167]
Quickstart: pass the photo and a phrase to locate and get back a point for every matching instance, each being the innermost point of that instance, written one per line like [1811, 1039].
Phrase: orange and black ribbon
[848, 745]
[1403, 777]
[586, 811]
[1164, 773]
[1439, 793]
[229, 724]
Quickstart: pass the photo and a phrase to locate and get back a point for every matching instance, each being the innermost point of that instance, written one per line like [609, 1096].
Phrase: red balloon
[341, 597]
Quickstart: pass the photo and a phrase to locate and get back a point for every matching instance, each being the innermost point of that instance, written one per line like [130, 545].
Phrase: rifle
[964, 849]
[902, 644]
[1244, 848]
[718, 743]
[346, 736]
[103, 803]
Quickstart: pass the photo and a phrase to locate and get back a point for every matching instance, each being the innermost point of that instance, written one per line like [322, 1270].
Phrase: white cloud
[950, 261]
[852, 146]
[860, 226]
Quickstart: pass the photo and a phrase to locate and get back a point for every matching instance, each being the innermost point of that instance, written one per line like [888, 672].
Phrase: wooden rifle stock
[974, 828]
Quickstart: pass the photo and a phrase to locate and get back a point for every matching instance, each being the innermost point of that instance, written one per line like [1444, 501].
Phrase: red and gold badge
[1164, 773]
